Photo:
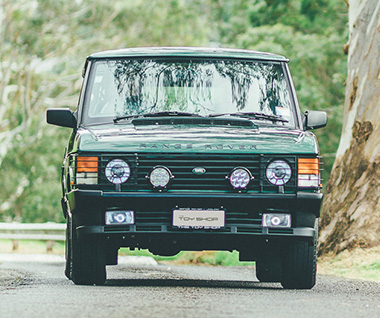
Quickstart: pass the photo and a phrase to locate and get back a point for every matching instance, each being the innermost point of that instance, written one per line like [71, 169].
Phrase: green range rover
[191, 149]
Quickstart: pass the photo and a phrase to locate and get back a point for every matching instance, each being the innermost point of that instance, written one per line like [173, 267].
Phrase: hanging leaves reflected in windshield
[129, 88]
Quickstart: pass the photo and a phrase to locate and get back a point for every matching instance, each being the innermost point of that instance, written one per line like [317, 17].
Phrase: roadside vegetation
[42, 55]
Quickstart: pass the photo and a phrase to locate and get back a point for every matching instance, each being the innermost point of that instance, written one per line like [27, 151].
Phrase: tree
[351, 209]
[312, 41]
[43, 47]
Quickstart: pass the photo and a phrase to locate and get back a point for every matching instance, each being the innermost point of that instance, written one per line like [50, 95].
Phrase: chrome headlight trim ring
[117, 171]
[278, 172]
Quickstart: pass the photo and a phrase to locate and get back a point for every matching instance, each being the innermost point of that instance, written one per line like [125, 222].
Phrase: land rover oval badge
[199, 171]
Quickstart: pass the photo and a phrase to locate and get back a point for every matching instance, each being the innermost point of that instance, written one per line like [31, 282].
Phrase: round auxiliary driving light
[240, 178]
[117, 171]
[160, 177]
[278, 172]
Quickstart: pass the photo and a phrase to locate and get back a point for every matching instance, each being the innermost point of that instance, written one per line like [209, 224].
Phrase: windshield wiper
[171, 113]
[115, 120]
[253, 115]
[157, 114]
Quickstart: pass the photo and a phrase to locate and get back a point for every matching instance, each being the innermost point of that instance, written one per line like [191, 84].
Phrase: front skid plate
[103, 232]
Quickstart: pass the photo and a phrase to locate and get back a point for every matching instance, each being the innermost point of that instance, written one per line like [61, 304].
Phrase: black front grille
[217, 169]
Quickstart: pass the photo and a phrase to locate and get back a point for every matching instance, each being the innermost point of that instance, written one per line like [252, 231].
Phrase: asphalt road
[37, 288]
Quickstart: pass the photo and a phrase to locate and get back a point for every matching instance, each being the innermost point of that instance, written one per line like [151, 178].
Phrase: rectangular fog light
[120, 217]
[308, 181]
[87, 178]
[276, 220]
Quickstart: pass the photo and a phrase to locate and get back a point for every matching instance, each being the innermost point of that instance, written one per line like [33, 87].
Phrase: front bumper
[307, 202]
[154, 214]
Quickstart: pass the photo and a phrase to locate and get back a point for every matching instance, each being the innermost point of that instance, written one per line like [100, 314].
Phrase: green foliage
[307, 16]
[212, 258]
[311, 34]
[30, 180]
[319, 78]
[359, 263]
[44, 44]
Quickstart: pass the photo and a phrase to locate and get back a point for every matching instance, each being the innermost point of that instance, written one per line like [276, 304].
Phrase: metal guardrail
[49, 232]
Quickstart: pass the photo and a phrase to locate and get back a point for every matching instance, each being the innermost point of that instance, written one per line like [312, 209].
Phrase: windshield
[126, 88]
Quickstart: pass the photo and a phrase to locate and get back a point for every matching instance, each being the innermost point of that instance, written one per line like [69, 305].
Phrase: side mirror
[63, 117]
[315, 119]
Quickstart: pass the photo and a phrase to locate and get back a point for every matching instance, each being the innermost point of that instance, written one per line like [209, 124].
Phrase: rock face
[351, 210]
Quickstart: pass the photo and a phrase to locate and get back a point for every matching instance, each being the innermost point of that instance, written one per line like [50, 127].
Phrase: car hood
[192, 139]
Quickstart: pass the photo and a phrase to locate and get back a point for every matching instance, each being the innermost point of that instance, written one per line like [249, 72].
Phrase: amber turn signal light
[87, 164]
[308, 166]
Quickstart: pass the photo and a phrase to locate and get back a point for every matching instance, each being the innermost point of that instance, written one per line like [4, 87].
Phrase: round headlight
[117, 171]
[278, 172]
[240, 178]
[160, 177]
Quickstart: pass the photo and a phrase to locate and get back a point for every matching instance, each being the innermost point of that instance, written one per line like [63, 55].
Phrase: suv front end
[171, 162]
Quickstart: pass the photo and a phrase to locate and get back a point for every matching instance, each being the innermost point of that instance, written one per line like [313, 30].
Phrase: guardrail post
[15, 245]
[49, 246]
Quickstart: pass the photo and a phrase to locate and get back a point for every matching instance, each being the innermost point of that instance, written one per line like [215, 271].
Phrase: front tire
[85, 259]
[68, 248]
[299, 266]
[268, 269]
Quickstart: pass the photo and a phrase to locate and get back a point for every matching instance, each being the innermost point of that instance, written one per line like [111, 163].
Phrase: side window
[81, 99]
[103, 94]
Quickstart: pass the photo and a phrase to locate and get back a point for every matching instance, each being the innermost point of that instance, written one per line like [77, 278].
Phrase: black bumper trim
[99, 193]
[301, 201]
[101, 232]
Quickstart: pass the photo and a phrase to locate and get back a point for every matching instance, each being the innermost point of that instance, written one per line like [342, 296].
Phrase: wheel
[268, 269]
[299, 266]
[68, 248]
[85, 259]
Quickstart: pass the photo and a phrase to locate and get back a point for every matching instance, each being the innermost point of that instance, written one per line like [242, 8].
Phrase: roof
[188, 52]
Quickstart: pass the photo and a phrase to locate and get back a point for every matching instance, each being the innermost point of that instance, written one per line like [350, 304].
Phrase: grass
[358, 263]
[31, 247]
[210, 258]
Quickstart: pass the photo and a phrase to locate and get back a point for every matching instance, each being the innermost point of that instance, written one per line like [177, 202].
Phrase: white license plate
[198, 219]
